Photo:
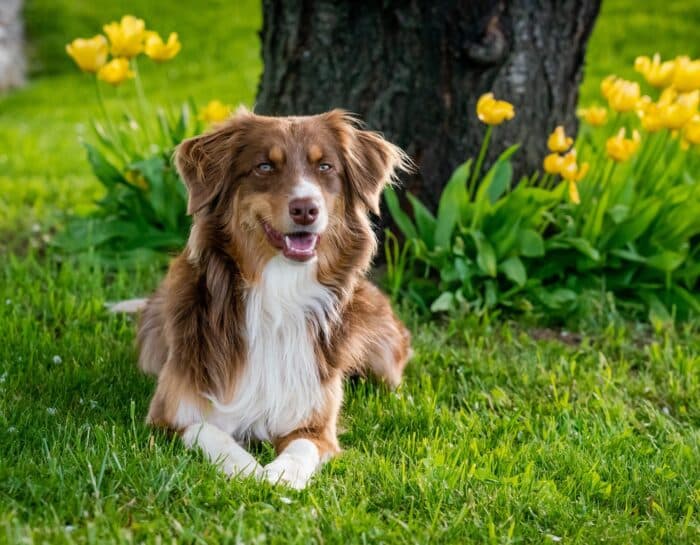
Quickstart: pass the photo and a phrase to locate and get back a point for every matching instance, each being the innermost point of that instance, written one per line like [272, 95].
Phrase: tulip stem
[648, 156]
[143, 105]
[596, 196]
[116, 138]
[673, 162]
[656, 154]
[611, 171]
[479, 162]
[101, 102]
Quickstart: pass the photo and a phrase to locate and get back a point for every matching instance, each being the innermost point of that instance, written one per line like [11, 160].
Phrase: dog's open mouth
[297, 245]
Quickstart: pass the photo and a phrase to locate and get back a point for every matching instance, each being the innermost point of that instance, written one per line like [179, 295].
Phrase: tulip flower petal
[493, 112]
[89, 54]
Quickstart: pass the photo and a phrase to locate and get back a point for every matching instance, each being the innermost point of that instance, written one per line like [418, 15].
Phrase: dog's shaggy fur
[268, 308]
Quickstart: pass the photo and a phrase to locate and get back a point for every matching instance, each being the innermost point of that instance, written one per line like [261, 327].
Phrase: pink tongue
[300, 244]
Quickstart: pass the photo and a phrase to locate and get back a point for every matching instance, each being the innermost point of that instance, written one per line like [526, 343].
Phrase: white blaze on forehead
[304, 189]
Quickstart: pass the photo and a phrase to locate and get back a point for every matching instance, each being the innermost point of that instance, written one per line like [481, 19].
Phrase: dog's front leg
[295, 465]
[302, 452]
[221, 449]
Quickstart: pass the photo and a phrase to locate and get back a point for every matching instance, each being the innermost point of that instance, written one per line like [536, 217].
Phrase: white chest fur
[279, 387]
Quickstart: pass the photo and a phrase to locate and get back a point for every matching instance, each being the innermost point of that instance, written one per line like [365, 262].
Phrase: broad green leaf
[500, 173]
[485, 256]
[398, 215]
[580, 244]
[490, 294]
[425, 221]
[507, 236]
[103, 169]
[638, 222]
[514, 270]
[493, 184]
[445, 302]
[531, 243]
[619, 213]
[158, 193]
[462, 268]
[454, 198]
[629, 255]
[666, 261]
[658, 313]
[81, 235]
[690, 299]
[501, 180]
[556, 298]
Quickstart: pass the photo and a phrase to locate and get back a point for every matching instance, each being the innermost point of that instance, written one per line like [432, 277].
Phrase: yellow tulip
[686, 77]
[691, 131]
[126, 37]
[115, 71]
[553, 163]
[606, 86]
[159, 51]
[89, 54]
[643, 103]
[214, 111]
[668, 96]
[657, 73]
[595, 116]
[650, 116]
[570, 170]
[677, 113]
[492, 111]
[558, 141]
[622, 95]
[620, 148]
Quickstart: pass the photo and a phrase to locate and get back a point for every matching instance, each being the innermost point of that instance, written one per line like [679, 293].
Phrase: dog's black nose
[303, 211]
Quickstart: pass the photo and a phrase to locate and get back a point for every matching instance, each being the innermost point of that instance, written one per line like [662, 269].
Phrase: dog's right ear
[205, 162]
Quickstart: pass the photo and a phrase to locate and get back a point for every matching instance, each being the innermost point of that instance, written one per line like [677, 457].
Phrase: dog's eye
[325, 167]
[265, 168]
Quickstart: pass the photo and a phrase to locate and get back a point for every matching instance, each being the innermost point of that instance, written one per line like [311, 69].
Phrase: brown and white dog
[260, 318]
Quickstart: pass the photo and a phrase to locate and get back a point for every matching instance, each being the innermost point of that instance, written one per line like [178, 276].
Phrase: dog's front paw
[288, 471]
[239, 470]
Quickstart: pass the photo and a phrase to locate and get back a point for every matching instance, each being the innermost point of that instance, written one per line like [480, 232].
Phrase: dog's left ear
[370, 161]
[205, 162]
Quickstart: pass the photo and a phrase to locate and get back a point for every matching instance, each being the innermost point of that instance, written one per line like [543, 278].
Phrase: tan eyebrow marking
[315, 153]
[276, 154]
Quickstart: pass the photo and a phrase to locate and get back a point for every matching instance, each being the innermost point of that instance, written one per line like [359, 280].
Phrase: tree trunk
[12, 61]
[415, 69]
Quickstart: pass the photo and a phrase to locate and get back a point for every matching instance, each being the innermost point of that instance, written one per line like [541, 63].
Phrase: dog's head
[295, 186]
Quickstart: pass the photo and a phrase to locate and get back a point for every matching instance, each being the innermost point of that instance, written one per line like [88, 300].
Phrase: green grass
[497, 436]
[494, 437]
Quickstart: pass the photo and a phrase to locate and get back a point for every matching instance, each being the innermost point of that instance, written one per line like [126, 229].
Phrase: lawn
[502, 432]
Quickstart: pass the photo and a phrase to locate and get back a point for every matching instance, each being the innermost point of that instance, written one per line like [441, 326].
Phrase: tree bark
[12, 61]
[415, 69]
